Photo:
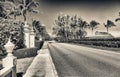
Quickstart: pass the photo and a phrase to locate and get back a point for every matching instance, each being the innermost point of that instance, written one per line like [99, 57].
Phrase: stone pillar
[32, 38]
[10, 60]
[27, 35]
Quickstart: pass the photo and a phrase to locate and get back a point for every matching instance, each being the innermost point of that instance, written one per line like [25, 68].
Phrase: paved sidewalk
[42, 65]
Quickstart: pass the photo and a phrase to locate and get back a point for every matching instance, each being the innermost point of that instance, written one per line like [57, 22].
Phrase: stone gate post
[10, 60]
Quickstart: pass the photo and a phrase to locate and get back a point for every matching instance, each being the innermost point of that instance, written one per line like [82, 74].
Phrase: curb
[53, 66]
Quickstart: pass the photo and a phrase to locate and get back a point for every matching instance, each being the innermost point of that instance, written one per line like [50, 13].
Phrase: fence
[8, 72]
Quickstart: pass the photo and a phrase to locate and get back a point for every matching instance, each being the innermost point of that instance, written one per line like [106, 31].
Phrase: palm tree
[93, 25]
[82, 24]
[117, 18]
[109, 25]
[26, 6]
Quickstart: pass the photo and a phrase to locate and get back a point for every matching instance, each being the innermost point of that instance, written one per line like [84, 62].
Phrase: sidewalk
[42, 65]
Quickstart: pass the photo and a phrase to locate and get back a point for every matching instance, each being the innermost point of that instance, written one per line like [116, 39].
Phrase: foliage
[8, 26]
[109, 25]
[69, 27]
[18, 7]
[40, 30]
[93, 25]
[117, 19]
[13, 30]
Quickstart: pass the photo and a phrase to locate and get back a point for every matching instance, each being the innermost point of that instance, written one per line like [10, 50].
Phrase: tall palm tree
[93, 25]
[27, 6]
[109, 24]
[117, 18]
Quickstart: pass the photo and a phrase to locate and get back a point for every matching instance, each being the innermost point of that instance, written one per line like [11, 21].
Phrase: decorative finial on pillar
[9, 47]
[32, 30]
[10, 60]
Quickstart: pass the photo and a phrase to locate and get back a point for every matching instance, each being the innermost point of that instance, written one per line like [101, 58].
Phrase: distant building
[102, 35]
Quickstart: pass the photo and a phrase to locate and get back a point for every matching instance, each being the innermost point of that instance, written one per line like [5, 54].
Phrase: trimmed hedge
[113, 44]
[107, 42]
[26, 52]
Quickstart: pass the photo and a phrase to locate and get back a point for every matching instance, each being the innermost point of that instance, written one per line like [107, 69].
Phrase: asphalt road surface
[79, 61]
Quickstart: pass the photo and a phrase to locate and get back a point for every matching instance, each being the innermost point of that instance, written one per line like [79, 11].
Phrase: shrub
[107, 42]
[26, 52]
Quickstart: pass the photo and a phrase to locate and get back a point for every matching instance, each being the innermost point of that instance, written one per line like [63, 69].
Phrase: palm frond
[20, 1]
[35, 11]
[13, 1]
[7, 3]
[7, 8]
[117, 19]
[93, 23]
[111, 23]
[33, 4]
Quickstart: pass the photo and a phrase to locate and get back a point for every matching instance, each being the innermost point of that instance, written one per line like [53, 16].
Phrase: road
[79, 61]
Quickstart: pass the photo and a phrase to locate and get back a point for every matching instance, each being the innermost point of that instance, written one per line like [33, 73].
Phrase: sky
[99, 10]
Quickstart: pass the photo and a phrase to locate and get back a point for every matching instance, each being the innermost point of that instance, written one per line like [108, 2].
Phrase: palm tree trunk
[24, 17]
[92, 31]
[107, 30]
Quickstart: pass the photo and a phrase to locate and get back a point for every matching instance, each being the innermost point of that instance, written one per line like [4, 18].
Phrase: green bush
[109, 42]
[26, 52]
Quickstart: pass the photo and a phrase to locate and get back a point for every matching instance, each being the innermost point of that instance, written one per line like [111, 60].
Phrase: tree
[81, 33]
[73, 25]
[93, 25]
[6, 7]
[20, 7]
[12, 30]
[26, 6]
[60, 22]
[109, 24]
[69, 27]
[117, 18]
[82, 24]
[39, 29]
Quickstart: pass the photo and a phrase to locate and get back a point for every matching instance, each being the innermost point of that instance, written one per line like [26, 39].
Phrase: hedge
[26, 52]
[112, 42]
